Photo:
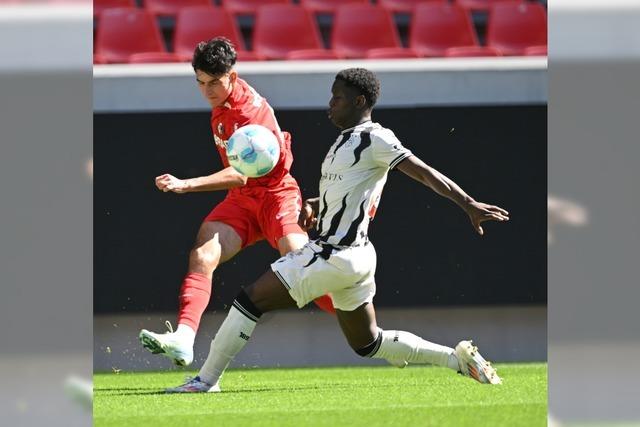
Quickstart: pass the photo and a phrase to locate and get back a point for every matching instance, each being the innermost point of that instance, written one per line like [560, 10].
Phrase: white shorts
[347, 274]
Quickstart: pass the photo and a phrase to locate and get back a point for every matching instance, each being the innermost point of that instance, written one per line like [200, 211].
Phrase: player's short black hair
[216, 56]
[364, 81]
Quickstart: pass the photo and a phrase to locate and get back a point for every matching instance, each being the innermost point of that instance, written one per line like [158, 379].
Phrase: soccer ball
[253, 150]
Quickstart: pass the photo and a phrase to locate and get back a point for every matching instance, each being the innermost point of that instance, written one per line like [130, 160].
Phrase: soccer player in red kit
[254, 208]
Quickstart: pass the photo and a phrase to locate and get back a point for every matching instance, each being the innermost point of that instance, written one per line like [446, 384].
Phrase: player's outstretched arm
[478, 212]
[223, 180]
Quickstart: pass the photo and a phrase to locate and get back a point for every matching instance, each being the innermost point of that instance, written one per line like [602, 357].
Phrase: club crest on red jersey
[219, 141]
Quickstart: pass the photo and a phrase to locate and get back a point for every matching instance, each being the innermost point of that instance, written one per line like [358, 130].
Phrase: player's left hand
[307, 218]
[480, 212]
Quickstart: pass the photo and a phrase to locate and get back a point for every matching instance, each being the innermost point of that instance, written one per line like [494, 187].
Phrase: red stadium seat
[153, 57]
[470, 51]
[536, 51]
[391, 53]
[403, 6]
[171, 7]
[246, 56]
[309, 54]
[274, 36]
[513, 27]
[436, 27]
[100, 5]
[201, 23]
[124, 31]
[99, 59]
[479, 5]
[326, 6]
[360, 27]
[248, 7]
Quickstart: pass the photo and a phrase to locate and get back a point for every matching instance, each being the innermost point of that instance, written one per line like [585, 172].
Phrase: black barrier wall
[428, 253]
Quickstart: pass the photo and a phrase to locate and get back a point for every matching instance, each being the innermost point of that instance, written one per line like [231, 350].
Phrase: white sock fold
[230, 339]
[400, 348]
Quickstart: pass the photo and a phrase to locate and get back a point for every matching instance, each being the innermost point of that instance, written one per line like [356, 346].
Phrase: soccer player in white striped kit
[342, 261]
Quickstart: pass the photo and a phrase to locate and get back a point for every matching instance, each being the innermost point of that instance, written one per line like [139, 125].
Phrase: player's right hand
[480, 212]
[307, 219]
[168, 182]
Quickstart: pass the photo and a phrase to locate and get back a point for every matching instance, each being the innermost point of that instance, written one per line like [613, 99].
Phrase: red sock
[325, 304]
[194, 298]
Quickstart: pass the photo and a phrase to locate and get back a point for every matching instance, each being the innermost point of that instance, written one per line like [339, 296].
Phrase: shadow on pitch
[136, 392]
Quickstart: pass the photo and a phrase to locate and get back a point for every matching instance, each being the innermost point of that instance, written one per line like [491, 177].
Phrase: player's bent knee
[370, 349]
[207, 257]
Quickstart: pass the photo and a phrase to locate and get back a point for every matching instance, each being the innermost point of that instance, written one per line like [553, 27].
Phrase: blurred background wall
[45, 213]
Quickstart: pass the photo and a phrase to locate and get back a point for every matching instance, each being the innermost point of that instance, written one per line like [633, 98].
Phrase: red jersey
[245, 106]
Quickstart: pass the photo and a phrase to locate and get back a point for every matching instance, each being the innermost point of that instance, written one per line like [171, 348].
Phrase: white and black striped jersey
[353, 175]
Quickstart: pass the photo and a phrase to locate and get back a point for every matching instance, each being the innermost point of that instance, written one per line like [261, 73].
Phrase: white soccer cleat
[473, 365]
[169, 345]
[194, 385]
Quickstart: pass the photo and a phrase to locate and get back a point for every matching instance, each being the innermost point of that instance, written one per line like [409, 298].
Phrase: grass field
[350, 396]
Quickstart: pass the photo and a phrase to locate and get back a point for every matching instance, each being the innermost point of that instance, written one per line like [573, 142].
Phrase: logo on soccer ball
[253, 150]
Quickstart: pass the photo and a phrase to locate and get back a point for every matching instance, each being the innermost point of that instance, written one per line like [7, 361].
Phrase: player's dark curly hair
[216, 56]
[364, 81]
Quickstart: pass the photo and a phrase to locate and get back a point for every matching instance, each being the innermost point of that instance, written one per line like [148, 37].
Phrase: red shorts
[258, 213]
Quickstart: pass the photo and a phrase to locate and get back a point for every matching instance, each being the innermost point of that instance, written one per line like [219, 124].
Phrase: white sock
[400, 348]
[230, 339]
[185, 332]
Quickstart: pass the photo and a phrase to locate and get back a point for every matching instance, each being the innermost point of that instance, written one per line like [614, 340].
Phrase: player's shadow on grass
[145, 391]
[130, 392]
[124, 389]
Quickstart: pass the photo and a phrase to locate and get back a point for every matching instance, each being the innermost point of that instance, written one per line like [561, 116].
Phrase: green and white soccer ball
[253, 150]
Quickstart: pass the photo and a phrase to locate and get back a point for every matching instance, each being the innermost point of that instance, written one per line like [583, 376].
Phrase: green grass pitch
[347, 396]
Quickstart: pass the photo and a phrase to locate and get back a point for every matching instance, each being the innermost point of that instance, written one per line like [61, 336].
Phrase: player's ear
[233, 75]
[361, 101]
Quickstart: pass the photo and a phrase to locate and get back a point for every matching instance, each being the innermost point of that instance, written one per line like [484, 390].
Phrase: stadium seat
[326, 6]
[403, 6]
[125, 31]
[274, 37]
[309, 54]
[470, 51]
[479, 5]
[200, 23]
[360, 27]
[390, 53]
[171, 7]
[248, 7]
[512, 27]
[153, 57]
[100, 5]
[536, 51]
[436, 27]
[99, 59]
[245, 56]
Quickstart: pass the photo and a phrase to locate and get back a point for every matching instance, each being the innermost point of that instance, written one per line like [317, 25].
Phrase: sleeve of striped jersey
[387, 149]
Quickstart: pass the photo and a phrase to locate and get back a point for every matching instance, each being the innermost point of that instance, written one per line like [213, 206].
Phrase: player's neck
[358, 122]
